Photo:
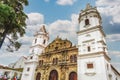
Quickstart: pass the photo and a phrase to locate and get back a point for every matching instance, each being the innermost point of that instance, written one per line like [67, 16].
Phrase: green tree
[12, 22]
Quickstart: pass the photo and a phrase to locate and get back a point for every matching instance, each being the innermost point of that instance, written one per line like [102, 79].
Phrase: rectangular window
[87, 22]
[40, 62]
[44, 41]
[89, 49]
[90, 66]
[35, 40]
[28, 69]
[31, 57]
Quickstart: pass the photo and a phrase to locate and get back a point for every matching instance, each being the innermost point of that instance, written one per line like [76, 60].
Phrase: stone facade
[59, 61]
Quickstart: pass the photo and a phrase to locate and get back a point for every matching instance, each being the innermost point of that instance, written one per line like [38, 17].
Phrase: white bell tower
[40, 41]
[38, 45]
[92, 49]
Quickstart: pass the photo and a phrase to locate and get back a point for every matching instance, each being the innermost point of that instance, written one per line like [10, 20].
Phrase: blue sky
[53, 11]
[61, 18]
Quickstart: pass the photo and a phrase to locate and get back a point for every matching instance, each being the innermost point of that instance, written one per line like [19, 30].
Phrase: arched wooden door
[73, 76]
[38, 76]
[53, 75]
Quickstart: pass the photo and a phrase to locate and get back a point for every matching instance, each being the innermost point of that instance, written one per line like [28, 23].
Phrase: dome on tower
[89, 18]
[89, 10]
[42, 30]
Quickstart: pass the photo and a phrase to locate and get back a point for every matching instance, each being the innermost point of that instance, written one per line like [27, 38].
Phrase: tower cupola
[40, 41]
[91, 37]
[89, 17]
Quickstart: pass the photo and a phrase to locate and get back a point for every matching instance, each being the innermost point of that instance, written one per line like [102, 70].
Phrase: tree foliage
[12, 22]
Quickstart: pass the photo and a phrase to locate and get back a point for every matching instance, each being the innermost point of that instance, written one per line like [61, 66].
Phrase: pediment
[58, 44]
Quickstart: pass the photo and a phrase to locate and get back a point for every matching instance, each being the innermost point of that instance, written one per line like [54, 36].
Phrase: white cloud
[115, 53]
[26, 39]
[65, 2]
[113, 37]
[64, 28]
[110, 8]
[4, 55]
[34, 19]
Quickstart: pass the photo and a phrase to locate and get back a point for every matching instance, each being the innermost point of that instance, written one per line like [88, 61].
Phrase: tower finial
[42, 29]
[57, 36]
[88, 6]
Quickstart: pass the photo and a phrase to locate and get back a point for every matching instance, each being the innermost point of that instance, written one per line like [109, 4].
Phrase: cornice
[91, 29]
[95, 54]
[33, 61]
[60, 51]
[88, 12]
[38, 45]
[44, 34]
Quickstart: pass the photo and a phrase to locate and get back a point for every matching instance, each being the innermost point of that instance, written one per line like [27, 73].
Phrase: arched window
[31, 57]
[44, 41]
[75, 58]
[53, 75]
[35, 40]
[71, 58]
[33, 51]
[87, 22]
[89, 49]
[38, 76]
[55, 60]
[56, 48]
[40, 62]
[73, 76]
[28, 69]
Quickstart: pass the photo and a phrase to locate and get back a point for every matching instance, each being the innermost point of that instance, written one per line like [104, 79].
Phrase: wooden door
[53, 75]
[73, 76]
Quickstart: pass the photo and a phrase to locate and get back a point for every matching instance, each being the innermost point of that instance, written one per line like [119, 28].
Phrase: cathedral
[60, 60]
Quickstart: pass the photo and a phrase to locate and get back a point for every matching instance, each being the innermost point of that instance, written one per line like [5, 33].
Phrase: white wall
[90, 38]
[20, 63]
[29, 75]
[94, 21]
[98, 73]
